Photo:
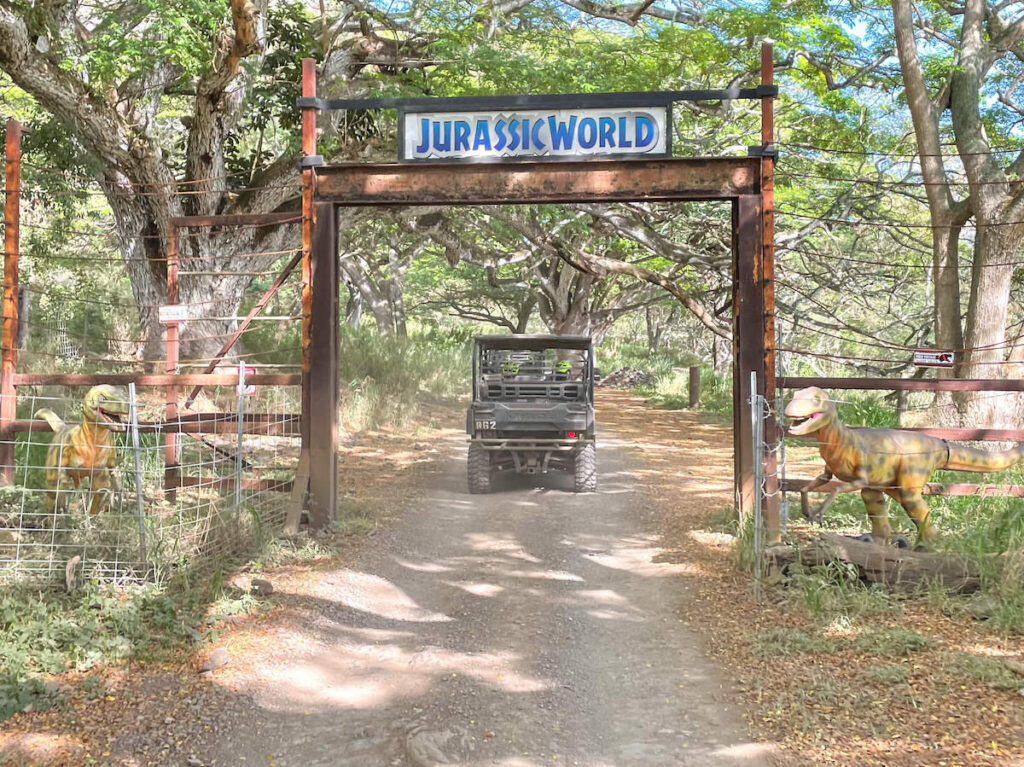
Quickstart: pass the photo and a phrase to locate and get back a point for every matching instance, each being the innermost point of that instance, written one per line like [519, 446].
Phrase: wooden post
[773, 527]
[748, 337]
[171, 410]
[9, 343]
[694, 386]
[308, 150]
[323, 373]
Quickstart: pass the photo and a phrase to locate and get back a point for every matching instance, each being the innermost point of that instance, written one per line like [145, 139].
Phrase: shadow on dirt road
[529, 626]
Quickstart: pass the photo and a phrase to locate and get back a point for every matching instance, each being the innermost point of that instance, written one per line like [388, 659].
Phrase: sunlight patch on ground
[363, 676]
[423, 567]
[373, 594]
[602, 596]
[477, 589]
[640, 561]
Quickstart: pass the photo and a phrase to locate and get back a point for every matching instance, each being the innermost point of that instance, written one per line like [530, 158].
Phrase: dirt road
[531, 626]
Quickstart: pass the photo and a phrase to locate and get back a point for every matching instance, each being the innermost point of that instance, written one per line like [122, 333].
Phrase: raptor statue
[881, 462]
[85, 450]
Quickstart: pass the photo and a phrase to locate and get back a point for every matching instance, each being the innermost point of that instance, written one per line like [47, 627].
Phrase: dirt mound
[627, 378]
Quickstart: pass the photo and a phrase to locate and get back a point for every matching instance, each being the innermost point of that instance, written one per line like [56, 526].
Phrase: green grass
[45, 633]
[991, 672]
[390, 381]
[887, 673]
[779, 641]
[892, 641]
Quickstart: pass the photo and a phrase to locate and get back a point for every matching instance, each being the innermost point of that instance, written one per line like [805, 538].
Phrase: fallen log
[898, 569]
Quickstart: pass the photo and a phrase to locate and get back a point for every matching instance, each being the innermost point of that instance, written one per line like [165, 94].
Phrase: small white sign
[173, 313]
[508, 133]
[933, 358]
[243, 388]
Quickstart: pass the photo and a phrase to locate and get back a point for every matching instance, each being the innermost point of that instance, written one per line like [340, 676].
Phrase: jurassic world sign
[505, 134]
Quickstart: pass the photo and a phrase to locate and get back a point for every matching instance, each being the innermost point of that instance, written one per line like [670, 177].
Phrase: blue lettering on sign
[587, 135]
[499, 130]
[461, 136]
[526, 134]
[424, 136]
[624, 143]
[561, 134]
[482, 136]
[645, 131]
[607, 132]
[446, 145]
[536, 134]
[513, 132]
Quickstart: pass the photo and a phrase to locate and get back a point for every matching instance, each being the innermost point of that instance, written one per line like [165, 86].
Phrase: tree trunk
[354, 307]
[524, 313]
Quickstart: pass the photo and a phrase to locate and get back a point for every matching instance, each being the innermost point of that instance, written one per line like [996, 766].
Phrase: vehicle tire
[585, 469]
[478, 467]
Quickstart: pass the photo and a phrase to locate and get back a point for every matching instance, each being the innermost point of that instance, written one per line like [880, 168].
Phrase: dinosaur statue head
[809, 411]
[106, 406]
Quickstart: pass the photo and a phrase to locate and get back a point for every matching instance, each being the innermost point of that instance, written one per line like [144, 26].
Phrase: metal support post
[757, 449]
[9, 352]
[238, 455]
[171, 470]
[133, 417]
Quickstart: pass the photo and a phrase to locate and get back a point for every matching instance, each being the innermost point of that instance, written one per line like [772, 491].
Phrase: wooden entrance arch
[744, 182]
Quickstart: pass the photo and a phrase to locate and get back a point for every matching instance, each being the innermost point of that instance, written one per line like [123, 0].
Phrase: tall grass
[392, 381]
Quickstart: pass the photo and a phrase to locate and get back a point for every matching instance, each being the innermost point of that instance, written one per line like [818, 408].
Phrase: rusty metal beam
[156, 379]
[276, 424]
[9, 353]
[771, 427]
[539, 182]
[905, 384]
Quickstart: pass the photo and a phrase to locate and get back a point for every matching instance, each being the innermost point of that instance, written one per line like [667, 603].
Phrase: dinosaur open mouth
[800, 424]
[112, 417]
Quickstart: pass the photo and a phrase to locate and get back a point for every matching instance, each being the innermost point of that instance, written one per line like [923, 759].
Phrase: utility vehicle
[532, 408]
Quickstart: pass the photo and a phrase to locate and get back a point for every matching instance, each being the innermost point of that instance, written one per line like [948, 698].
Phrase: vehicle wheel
[478, 467]
[585, 466]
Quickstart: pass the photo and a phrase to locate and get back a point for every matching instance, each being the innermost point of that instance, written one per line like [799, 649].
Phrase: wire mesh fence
[95, 496]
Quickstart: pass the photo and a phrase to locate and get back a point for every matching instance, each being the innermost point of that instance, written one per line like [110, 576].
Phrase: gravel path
[531, 626]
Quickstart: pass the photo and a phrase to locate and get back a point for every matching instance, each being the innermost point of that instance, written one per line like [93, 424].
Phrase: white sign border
[526, 106]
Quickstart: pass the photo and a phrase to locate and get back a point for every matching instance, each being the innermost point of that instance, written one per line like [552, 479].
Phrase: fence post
[133, 416]
[757, 436]
[694, 386]
[240, 431]
[9, 361]
[171, 470]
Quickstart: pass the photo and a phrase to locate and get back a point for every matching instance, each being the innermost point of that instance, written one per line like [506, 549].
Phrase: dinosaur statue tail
[51, 418]
[964, 458]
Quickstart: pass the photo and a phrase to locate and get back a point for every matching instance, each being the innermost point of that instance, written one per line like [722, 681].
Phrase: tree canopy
[898, 184]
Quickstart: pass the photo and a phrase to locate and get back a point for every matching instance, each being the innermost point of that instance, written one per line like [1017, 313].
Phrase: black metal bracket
[312, 161]
[542, 101]
[766, 150]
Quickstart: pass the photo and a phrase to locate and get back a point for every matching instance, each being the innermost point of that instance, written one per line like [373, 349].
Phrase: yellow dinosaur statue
[881, 462]
[86, 450]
